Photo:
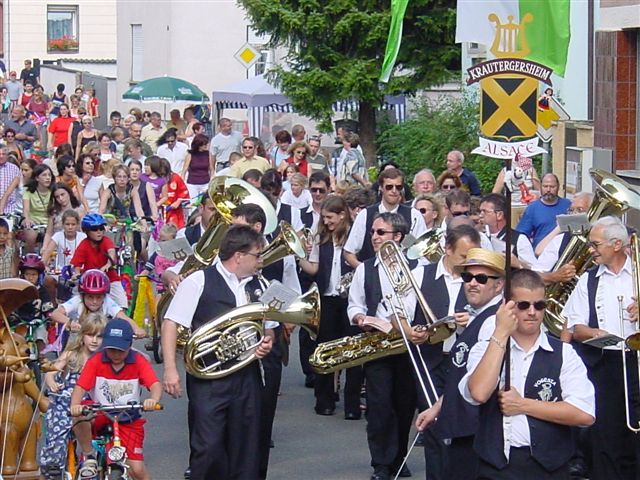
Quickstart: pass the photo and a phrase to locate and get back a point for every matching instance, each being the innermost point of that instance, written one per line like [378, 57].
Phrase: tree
[336, 48]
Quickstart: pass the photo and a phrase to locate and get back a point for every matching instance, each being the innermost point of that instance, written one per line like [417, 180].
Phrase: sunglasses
[380, 231]
[301, 152]
[247, 147]
[96, 229]
[425, 210]
[398, 188]
[318, 190]
[538, 305]
[447, 187]
[481, 278]
[459, 214]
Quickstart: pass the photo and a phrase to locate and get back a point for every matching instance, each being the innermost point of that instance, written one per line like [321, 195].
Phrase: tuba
[286, 243]
[613, 196]
[427, 245]
[226, 193]
[227, 343]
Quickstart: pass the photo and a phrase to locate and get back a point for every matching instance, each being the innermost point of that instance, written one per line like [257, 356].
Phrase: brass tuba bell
[286, 243]
[227, 344]
[427, 245]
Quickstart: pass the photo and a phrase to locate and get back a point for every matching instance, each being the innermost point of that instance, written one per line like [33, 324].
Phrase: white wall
[25, 23]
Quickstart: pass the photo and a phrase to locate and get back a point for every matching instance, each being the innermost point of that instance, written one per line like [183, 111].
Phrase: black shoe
[381, 473]
[420, 440]
[271, 444]
[325, 411]
[352, 416]
[309, 380]
[404, 472]
[187, 473]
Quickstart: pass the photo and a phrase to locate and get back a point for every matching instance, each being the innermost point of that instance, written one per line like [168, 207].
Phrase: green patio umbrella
[165, 90]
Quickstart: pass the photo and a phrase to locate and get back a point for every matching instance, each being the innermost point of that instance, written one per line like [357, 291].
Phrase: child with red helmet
[93, 289]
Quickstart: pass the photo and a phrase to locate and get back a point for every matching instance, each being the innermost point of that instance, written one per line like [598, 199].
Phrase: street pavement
[307, 446]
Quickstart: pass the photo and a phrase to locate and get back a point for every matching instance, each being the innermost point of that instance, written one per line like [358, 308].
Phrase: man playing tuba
[224, 437]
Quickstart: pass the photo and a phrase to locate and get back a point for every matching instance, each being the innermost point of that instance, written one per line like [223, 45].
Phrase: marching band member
[441, 286]
[483, 276]
[524, 433]
[592, 311]
[358, 247]
[328, 266]
[493, 209]
[391, 397]
[271, 183]
[224, 437]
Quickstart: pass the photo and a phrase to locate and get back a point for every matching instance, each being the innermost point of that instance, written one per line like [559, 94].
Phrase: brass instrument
[227, 344]
[632, 341]
[427, 245]
[345, 283]
[226, 193]
[613, 196]
[347, 352]
[286, 243]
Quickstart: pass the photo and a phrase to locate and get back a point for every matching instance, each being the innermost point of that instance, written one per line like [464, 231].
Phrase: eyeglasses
[380, 231]
[425, 210]
[256, 255]
[318, 190]
[481, 278]
[538, 305]
[301, 152]
[96, 229]
[247, 147]
[595, 245]
[571, 211]
[459, 214]
[398, 188]
[448, 187]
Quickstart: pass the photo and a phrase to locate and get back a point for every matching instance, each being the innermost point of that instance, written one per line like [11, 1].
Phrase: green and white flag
[548, 34]
[398, 7]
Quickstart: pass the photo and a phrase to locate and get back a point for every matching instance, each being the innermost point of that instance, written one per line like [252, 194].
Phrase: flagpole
[507, 270]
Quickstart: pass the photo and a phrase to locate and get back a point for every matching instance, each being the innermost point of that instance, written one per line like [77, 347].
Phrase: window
[62, 28]
[137, 49]
[265, 61]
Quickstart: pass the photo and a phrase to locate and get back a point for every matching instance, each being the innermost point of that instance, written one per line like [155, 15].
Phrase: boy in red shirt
[114, 376]
[99, 252]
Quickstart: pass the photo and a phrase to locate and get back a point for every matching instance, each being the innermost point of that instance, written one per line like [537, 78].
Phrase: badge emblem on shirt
[546, 389]
[459, 358]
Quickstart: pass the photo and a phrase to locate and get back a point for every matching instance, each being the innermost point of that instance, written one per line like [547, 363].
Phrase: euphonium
[286, 243]
[427, 245]
[613, 196]
[226, 193]
[227, 344]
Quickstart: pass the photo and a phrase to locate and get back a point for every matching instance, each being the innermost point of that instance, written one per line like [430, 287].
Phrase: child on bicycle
[31, 269]
[98, 251]
[114, 377]
[8, 253]
[93, 288]
[53, 455]
[158, 263]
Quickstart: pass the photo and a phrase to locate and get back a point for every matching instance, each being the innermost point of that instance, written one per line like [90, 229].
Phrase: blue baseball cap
[117, 334]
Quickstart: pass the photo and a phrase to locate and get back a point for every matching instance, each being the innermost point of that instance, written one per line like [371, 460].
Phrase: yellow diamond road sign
[247, 55]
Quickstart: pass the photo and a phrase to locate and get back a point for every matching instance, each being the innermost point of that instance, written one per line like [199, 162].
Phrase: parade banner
[508, 150]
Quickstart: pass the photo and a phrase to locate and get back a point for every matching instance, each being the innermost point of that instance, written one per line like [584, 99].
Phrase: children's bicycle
[28, 328]
[112, 455]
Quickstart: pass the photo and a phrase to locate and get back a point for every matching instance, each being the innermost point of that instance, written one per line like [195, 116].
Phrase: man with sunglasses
[492, 214]
[593, 310]
[525, 432]
[225, 432]
[359, 246]
[483, 275]
[391, 392]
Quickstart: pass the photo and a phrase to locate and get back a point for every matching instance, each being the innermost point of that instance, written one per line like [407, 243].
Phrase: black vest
[284, 213]
[216, 299]
[566, 237]
[325, 263]
[437, 296]
[367, 249]
[306, 217]
[458, 418]
[591, 356]
[551, 444]
[372, 287]
[514, 239]
[275, 271]
[193, 234]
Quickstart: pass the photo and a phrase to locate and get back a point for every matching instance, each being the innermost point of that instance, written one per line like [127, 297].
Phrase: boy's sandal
[89, 469]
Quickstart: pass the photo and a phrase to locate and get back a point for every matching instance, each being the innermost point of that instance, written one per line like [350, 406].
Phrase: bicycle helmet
[93, 220]
[31, 261]
[94, 282]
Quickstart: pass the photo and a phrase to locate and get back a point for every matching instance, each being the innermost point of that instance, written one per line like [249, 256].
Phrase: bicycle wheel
[116, 472]
[156, 346]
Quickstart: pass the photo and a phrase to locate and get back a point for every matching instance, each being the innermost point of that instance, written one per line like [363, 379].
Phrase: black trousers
[521, 466]
[334, 324]
[272, 367]
[614, 448]
[391, 404]
[307, 346]
[224, 433]
[462, 460]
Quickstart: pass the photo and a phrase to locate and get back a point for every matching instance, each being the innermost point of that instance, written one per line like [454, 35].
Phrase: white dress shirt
[296, 221]
[334, 276]
[185, 301]
[303, 201]
[358, 230]
[549, 256]
[316, 218]
[175, 155]
[610, 286]
[357, 296]
[577, 390]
